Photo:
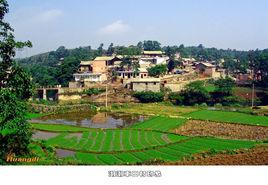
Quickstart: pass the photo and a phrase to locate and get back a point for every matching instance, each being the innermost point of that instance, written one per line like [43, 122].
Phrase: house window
[146, 83]
[154, 83]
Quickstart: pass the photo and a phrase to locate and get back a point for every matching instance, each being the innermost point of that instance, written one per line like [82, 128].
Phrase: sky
[235, 24]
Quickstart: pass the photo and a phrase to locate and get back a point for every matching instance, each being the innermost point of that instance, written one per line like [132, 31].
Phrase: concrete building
[145, 84]
[150, 58]
[128, 74]
[205, 69]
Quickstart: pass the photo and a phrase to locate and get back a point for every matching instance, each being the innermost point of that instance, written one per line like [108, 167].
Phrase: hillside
[57, 67]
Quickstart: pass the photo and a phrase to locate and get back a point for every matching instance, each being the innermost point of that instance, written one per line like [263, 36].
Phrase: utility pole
[253, 89]
[252, 95]
[106, 96]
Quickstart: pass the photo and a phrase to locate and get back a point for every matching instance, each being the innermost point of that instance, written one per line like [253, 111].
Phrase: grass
[229, 117]
[153, 109]
[160, 123]
[174, 152]
[34, 115]
[105, 141]
[58, 128]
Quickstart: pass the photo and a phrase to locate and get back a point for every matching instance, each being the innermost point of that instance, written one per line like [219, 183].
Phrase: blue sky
[236, 24]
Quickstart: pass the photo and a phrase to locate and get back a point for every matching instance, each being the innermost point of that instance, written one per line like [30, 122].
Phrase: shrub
[15, 133]
[94, 91]
[149, 96]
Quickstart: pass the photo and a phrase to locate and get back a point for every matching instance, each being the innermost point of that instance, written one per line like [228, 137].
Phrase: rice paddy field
[229, 117]
[141, 143]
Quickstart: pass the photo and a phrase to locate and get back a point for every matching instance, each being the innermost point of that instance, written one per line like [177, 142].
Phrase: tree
[61, 52]
[225, 86]
[223, 92]
[157, 70]
[110, 50]
[15, 134]
[20, 79]
[194, 93]
[15, 86]
[100, 49]
[150, 45]
[149, 96]
[171, 65]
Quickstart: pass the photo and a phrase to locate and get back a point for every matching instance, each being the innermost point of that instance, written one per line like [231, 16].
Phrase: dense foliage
[196, 93]
[149, 96]
[47, 69]
[15, 133]
[157, 70]
[15, 87]
[94, 91]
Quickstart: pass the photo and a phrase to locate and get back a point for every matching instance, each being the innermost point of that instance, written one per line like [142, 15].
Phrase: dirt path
[223, 130]
[255, 156]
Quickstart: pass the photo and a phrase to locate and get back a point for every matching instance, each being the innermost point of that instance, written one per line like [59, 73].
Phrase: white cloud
[117, 27]
[48, 15]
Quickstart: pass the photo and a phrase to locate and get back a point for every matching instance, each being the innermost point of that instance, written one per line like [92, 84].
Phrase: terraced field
[113, 140]
[229, 117]
[172, 152]
[160, 123]
[151, 140]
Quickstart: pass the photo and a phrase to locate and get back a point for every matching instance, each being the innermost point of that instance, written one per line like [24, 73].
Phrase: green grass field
[145, 141]
[158, 109]
[33, 115]
[229, 117]
[59, 128]
[160, 123]
[112, 140]
[173, 152]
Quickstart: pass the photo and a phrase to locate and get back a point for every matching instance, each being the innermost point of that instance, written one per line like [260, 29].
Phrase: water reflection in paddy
[92, 119]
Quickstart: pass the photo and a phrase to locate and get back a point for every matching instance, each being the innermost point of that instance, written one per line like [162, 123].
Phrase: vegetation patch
[105, 141]
[173, 152]
[229, 117]
[154, 109]
[160, 123]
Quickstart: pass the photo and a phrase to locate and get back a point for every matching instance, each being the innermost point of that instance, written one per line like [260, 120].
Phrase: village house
[145, 84]
[127, 74]
[93, 71]
[153, 57]
[205, 69]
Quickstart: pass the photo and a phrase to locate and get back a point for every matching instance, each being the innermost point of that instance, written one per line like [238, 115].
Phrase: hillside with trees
[57, 67]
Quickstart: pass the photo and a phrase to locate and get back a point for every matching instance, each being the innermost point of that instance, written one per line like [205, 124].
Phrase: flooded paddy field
[92, 119]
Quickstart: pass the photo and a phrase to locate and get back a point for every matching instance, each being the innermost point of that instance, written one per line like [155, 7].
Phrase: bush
[94, 91]
[15, 133]
[194, 93]
[149, 96]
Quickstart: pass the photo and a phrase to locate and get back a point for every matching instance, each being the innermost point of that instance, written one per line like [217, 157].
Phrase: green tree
[225, 86]
[149, 96]
[110, 49]
[21, 80]
[157, 70]
[149, 45]
[100, 49]
[15, 134]
[194, 93]
[61, 52]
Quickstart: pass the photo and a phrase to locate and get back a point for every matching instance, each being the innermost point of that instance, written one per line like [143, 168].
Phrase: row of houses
[97, 70]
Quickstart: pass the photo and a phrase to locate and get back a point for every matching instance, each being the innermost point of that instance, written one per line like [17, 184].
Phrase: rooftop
[86, 63]
[153, 52]
[105, 58]
[206, 64]
[136, 80]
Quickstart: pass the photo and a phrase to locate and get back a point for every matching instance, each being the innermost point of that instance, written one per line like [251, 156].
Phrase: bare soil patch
[223, 130]
[254, 156]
